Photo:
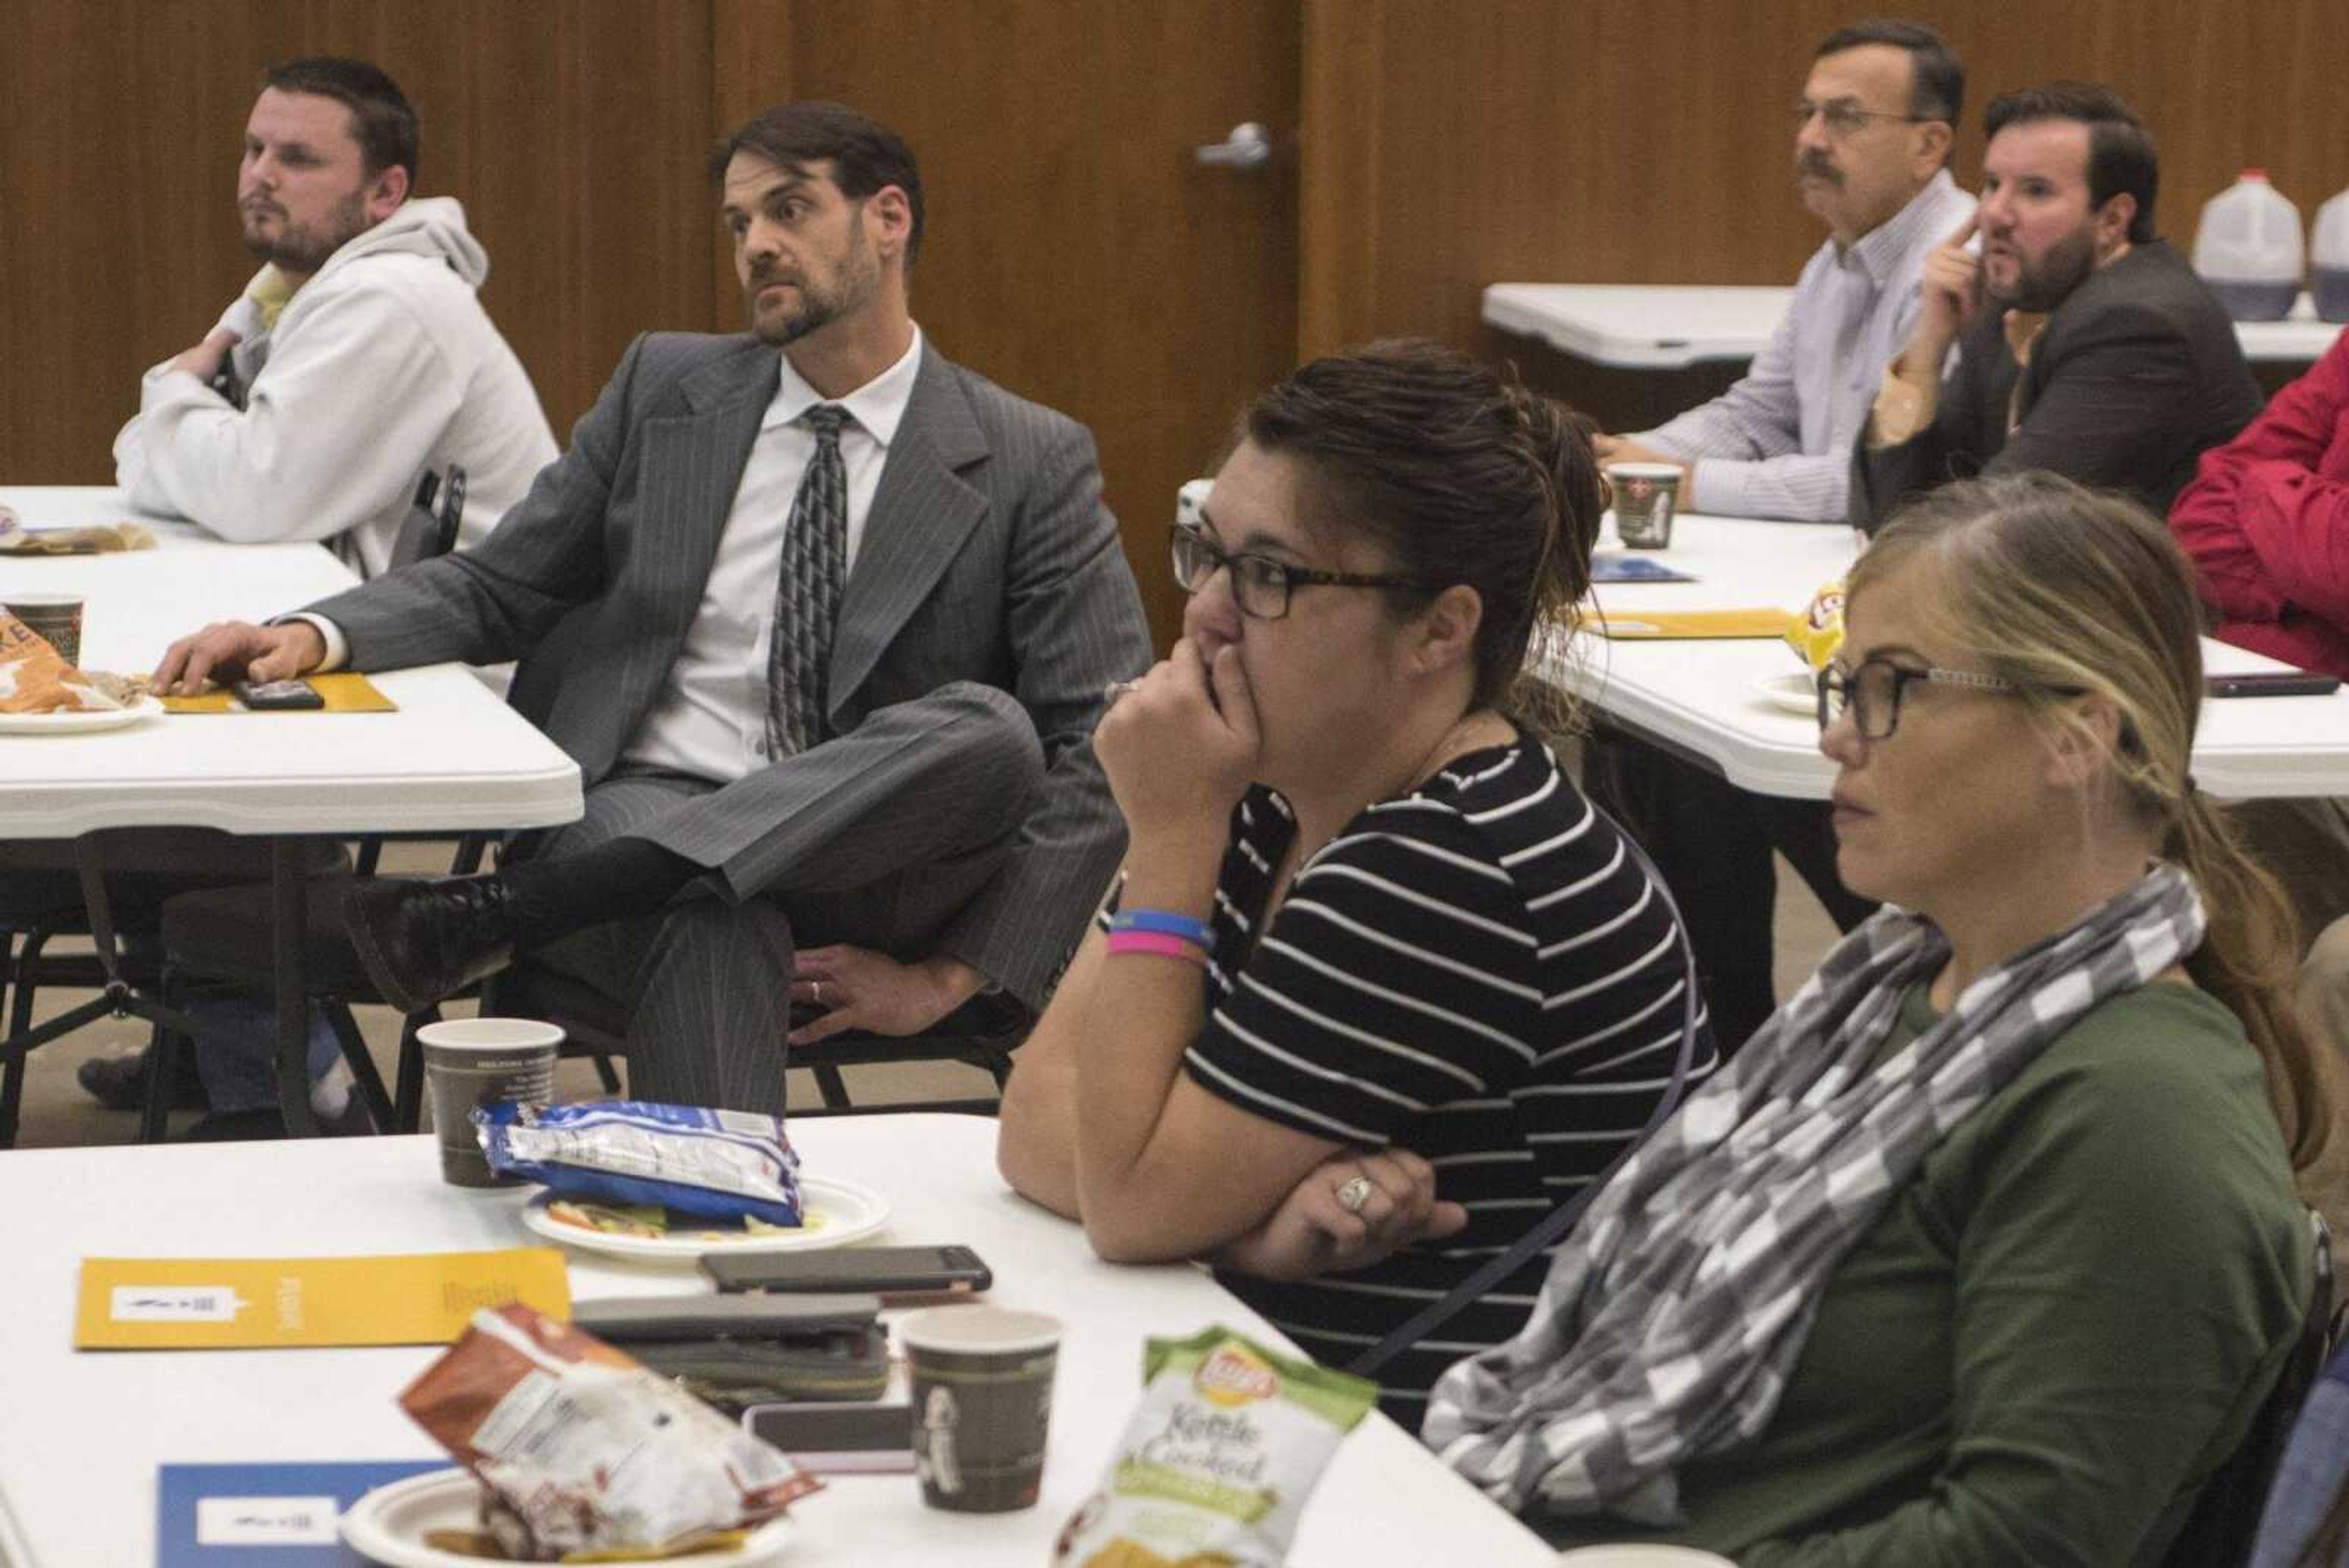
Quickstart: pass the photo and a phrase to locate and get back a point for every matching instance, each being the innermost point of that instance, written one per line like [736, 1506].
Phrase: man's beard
[304, 250]
[819, 305]
[2044, 285]
[816, 307]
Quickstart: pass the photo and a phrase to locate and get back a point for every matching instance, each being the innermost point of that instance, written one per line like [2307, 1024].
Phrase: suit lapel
[921, 514]
[692, 467]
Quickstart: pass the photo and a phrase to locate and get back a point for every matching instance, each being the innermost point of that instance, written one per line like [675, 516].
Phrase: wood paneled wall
[574, 130]
[1077, 255]
[1647, 140]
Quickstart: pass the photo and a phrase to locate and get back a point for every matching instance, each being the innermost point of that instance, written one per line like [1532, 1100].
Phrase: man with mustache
[835, 616]
[2085, 344]
[358, 358]
[1873, 135]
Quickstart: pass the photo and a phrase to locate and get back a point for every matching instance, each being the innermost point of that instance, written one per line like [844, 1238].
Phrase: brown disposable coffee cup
[56, 617]
[1646, 495]
[471, 1062]
[982, 1381]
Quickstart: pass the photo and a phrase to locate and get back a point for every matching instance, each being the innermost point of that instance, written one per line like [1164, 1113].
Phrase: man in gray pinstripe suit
[942, 830]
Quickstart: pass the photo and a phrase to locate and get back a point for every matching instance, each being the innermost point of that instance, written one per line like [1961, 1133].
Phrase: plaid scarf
[1670, 1319]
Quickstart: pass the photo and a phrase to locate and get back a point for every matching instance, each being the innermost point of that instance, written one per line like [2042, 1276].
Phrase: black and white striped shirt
[1478, 971]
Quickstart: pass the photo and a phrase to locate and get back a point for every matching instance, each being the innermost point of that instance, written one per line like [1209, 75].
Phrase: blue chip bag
[709, 1164]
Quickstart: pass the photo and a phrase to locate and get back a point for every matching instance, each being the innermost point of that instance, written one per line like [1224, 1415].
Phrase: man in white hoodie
[358, 357]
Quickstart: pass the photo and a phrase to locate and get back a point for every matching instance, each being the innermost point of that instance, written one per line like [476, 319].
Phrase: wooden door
[1076, 251]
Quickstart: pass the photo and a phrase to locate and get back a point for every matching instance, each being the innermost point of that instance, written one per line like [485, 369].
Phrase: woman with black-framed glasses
[1985, 1248]
[1372, 948]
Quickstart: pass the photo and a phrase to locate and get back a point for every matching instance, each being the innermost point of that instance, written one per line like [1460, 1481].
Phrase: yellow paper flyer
[235, 1303]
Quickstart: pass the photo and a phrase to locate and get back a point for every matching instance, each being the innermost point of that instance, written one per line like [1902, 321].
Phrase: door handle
[1248, 147]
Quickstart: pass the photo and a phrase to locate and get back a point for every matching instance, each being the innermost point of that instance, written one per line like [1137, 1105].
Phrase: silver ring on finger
[815, 991]
[1115, 690]
[1354, 1194]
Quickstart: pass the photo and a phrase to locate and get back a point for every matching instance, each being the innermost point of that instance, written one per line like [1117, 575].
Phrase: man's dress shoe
[420, 941]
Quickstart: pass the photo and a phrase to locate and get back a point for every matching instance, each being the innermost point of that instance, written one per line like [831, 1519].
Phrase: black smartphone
[261, 696]
[2271, 683]
[836, 1438]
[882, 1270]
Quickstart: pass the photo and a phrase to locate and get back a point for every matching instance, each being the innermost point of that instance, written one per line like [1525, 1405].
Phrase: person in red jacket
[2266, 521]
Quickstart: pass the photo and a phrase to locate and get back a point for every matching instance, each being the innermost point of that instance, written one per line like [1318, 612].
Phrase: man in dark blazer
[881, 803]
[2085, 346]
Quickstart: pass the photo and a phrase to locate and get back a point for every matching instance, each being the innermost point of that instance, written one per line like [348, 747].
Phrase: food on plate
[36, 679]
[98, 539]
[1217, 1462]
[125, 690]
[1817, 633]
[584, 1454]
[730, 1167]
[653, 1221]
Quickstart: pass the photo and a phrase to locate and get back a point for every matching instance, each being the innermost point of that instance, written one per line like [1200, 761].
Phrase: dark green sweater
[2052, 1335]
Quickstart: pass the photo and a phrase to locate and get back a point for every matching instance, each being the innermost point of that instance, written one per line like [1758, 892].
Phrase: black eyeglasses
[1260, 584]
[1871, 693]
[1849, 119]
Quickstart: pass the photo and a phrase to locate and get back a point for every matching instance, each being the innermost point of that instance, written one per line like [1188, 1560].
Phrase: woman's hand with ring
[1351, 1211]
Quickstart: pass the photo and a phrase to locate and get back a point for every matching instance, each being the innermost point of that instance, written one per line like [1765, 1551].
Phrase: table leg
[288, 916]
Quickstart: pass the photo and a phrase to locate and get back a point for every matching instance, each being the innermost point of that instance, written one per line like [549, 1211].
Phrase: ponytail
[2249, 960]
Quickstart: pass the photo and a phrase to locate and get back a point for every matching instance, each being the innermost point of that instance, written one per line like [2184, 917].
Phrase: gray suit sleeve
[491, 603]
[1074, 623]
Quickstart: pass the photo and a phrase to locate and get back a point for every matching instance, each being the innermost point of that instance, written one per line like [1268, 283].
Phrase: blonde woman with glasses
[1985, 1250]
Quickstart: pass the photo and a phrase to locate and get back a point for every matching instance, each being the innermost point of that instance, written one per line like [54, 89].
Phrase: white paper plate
[1795, 690]
[387, 1526]
[846, 1211]
[78, 723]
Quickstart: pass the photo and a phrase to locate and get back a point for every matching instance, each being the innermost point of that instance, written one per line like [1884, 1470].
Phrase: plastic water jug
[2248, 249]
[2328, 259]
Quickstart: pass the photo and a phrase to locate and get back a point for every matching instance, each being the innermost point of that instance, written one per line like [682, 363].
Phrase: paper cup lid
[981, 1330]
[1645, 470]
[489, 1034]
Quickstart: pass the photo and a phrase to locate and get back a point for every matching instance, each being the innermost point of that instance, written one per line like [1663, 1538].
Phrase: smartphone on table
[890, 1273]
[2271, 683]
[265, 696]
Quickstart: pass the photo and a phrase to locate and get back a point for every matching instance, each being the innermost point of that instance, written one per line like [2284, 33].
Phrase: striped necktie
[807, 592]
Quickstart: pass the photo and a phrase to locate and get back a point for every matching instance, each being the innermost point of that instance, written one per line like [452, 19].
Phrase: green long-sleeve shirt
[2052, 1335]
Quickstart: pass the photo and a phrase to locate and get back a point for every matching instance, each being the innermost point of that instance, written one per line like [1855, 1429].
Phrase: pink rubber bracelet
[1156, 942]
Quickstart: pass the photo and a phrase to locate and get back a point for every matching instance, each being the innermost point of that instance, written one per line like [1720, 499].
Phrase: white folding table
[453, 758]
[1702, 698]
[1670, 327]
[85, 1431]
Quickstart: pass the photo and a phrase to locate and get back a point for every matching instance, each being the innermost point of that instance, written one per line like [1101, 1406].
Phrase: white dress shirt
[1779, 442]
[711, 719]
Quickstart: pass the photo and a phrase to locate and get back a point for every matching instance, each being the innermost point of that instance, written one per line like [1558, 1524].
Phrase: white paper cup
[471, 1062]
[982, 1385]
[1645, 495]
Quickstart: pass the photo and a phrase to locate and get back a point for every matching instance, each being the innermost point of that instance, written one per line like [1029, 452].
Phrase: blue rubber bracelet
[1166, 923]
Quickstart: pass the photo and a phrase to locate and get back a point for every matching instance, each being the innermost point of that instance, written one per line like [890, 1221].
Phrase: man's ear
[2080, 752]
[892, 217]
[1936, 143]
[1445, 632]
[386, 190]
[2113, 221]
